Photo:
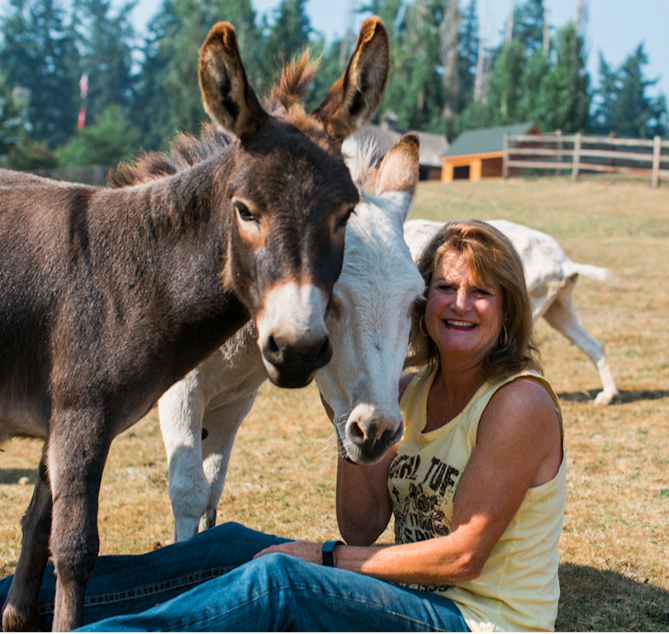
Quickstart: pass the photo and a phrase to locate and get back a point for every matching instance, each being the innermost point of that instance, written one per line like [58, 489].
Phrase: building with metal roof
[478, 154]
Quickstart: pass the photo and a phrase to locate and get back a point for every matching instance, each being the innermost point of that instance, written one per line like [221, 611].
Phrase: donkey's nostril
[271, 345]
[355, 431]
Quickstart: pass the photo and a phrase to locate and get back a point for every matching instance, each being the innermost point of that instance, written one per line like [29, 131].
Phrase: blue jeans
[209, 583]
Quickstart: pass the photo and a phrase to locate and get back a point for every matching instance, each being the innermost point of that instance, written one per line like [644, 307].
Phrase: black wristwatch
[328, 553]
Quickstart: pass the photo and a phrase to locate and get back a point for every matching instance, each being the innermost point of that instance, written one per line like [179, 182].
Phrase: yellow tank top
[518, 588]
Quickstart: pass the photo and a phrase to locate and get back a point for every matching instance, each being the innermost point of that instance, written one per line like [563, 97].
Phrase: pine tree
[106, 43]
[563, 101]
[110, 140]
[175, 37]
[285, 37]
[468, 49]
[39, 55]
[528, 25]
[504, 86]
[12, 124]
[623, 105]
[414, 91]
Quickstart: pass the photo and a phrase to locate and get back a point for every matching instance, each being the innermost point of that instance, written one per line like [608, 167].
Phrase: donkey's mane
[187, 150]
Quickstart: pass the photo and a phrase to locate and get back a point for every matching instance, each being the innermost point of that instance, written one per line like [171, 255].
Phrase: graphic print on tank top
[422, 496]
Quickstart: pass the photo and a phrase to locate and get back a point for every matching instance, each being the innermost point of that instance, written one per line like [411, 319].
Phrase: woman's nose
[462, 300]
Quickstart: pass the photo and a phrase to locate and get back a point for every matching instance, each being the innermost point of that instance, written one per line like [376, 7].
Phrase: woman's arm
[518, 445]
[363, 502]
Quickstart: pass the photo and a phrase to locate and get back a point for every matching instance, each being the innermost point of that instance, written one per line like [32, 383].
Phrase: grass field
[614, 550]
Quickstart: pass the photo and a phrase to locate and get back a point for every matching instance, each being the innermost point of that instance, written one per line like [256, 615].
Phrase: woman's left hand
[307, 551]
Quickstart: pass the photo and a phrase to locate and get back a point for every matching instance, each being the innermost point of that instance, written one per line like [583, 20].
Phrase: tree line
[79, 86]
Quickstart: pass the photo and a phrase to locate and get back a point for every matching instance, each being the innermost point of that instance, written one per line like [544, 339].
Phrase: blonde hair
[490, 257]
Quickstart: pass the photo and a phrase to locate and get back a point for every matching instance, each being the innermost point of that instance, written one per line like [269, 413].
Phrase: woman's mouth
[460, 325]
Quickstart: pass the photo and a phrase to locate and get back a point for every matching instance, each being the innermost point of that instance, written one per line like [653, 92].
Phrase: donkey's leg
[20, 610]
[78, 449]
[561, 316]
[221, 426]
[181, 410]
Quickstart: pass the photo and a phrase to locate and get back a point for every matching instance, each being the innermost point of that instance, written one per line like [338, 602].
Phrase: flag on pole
[83, 89]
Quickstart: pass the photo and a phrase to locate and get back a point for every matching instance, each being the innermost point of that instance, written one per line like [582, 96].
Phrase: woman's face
[462, 317]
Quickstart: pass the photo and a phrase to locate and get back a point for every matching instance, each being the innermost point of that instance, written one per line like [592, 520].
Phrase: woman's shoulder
[529, 388]
[522, 412]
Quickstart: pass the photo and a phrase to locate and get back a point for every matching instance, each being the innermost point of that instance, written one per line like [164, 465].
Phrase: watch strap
[327, 552]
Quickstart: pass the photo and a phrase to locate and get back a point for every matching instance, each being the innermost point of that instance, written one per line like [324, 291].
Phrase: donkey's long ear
[357, 93]
[399, 169]
[227, 95]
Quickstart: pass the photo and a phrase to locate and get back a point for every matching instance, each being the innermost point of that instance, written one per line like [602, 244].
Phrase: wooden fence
[579, 153]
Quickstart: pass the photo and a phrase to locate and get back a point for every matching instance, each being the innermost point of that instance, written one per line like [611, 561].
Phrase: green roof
[485, 140]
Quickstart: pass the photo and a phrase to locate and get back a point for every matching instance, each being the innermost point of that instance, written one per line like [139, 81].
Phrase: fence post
[558, 133]
[657, 151]
[577, 156]
[505, 157]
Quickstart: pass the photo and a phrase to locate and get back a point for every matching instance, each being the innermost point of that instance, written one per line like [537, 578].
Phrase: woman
[477, 487]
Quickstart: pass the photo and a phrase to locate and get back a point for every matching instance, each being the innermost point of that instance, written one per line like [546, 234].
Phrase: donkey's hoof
[605, 398]
[14, 621]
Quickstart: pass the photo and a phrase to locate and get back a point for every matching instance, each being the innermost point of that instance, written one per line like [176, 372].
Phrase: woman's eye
[244, 213]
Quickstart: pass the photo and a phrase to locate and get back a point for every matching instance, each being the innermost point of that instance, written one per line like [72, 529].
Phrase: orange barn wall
[479, 167]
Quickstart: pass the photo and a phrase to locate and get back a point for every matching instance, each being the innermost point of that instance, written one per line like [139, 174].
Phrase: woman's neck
[453, 387]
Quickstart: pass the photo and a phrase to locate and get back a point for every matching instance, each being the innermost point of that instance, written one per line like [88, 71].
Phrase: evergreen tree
[178, 32]
[108, 141]
[414, 91]
[468, 45]
[563, 99]
[528, 25]
[106, 44]
[623, 105]
[12, 124]
[504, 87]
[38, 54]
[285, 38]
[152, 108]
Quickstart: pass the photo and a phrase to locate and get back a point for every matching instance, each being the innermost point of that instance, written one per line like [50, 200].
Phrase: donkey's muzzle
[368, 434]
[294, 365]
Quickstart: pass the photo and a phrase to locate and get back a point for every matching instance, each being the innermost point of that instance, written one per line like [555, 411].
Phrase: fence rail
[580, 153]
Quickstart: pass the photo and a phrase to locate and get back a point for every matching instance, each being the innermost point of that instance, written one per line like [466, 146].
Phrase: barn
[478, 154]
[432, 146]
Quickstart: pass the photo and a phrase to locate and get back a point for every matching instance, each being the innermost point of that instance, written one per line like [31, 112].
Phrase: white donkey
[551, 277]
[369, 323]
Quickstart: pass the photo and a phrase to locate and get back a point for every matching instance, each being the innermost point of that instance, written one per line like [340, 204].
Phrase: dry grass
[614, 548]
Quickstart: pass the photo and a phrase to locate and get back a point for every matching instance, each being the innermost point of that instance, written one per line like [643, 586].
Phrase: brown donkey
[108, 296]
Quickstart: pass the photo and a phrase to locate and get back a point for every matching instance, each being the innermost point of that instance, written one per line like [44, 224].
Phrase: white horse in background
[550, 276]
[369, 323]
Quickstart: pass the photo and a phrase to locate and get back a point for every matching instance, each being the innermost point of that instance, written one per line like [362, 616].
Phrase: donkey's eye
[244, 212]
[343, 221]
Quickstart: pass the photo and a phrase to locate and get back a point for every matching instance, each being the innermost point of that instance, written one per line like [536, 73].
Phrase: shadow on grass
[626, 396]
[12, 476]
[604, 601]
